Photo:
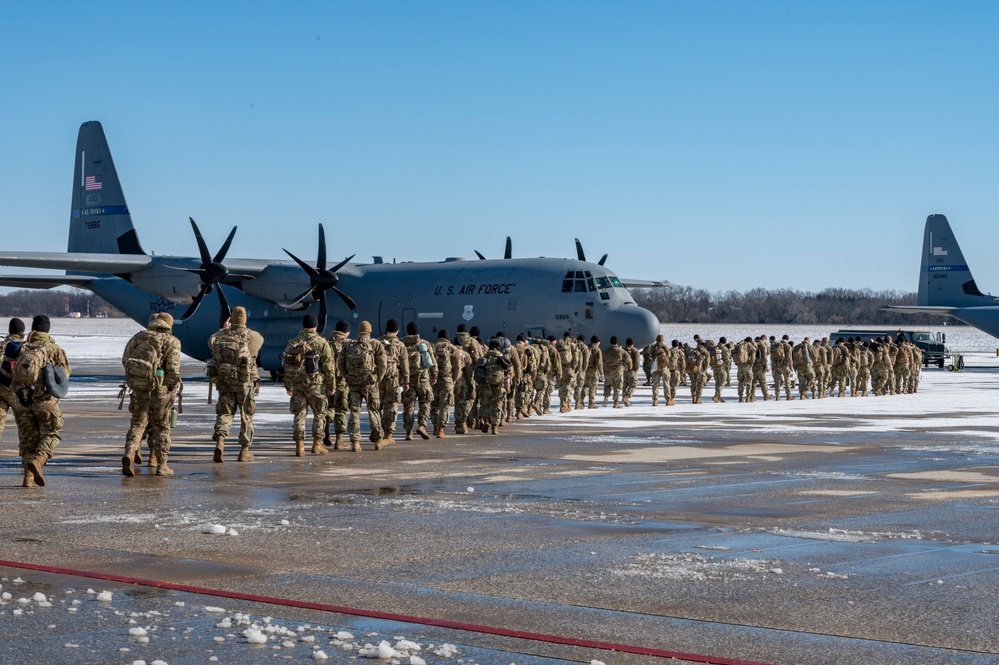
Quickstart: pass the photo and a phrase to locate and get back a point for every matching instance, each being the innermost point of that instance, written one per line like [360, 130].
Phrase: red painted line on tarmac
[440, 623]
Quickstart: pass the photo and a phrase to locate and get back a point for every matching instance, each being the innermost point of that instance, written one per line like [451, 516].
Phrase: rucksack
[143, 360]
[359, 360]
[26, 374]
[779, 354]
[565, 353]
[443, 354]
[300, 361]
[742, 354]
[479, 374]
[10, 353]
[426, 359]
[231, 357]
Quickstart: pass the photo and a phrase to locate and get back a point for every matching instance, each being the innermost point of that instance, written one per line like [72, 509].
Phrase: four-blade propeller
[212, 273]
[507, 251]
[322, 280]
[582, 256]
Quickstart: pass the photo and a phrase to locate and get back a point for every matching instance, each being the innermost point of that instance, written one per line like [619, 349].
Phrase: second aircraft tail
[944, 277]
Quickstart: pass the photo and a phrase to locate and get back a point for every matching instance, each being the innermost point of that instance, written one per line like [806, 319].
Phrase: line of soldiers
[883, 366]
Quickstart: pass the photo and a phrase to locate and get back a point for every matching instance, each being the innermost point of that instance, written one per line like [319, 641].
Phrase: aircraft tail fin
[100, 221]
[944, 276]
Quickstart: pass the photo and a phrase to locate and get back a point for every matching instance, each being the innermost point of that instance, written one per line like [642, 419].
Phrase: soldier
[820, 363]
[880, 368]
[495, 380]
[464, 388]
[661, 357]
[233, 369]
[554, 372]
[363, 366]
[802, 357]
[152, 370]
[516, 375]
[396, 377]
[853, 344]
[581, 370]
[744, 356]
[760, 364]
[309, 378]
[839, 367]
[569, 361]
[448, 370]
[721, 363]
[338, 406]
[901, 365]
[915, 366]
[865, 358]
[631, 375]
[524, 390]
[697, 361]
[616, 361]
[15, 338]
[594, 370]
[781, 364]
[678, 370]
[422, 377]
[648, 359]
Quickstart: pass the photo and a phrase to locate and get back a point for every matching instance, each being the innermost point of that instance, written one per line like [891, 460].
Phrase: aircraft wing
[45, 281]
[642, 284]
[939, 310]
[112, 264]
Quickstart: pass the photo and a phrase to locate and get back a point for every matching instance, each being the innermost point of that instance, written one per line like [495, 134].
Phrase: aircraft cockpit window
[570, 275]
[590, 284]
[579, 274]
[616, 282]
[579, 286]
[603, 283]
[567, 285]
[587, 274]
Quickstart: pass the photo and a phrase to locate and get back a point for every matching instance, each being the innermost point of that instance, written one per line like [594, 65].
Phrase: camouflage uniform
[839, 369]
[449, 367]
[865, 357]
[421, 380]
[760, 365]
[721, 363]
[915, 367]
[337, 406]
[780, 365]
[678, 370]
[396, 376]
[661, 360]
[524, 389]
[151, 409]
[802, 356]
[310, 391]
[820, 363]
[581, 371]
[594, 368]
[554, 372]
[7, 398]
[648, 359]
[901, 367]
[364, 387]
[744, 356]
[464, 387]
[696, 360]
[239, 394]
[497, 369]
[616, 361]
[631, 375]
[880, 369]
[569, 359]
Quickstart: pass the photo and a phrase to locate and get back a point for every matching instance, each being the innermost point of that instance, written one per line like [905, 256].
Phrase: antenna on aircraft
[322, 280]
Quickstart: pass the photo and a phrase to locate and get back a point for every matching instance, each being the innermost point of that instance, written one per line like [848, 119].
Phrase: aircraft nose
[632, 321]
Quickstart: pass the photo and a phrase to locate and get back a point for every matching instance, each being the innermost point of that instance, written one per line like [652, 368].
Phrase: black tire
[940, 363]
[960, 363]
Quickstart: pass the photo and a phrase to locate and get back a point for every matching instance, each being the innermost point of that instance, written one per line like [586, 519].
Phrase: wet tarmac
[856, 530]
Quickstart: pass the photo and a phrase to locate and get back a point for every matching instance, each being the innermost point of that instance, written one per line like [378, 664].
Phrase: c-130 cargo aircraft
[538, 296]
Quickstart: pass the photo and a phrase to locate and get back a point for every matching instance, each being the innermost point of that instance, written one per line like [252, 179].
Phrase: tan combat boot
[128, 464]
[299, 448]
[317, 447]
[35, 467]
[459, 428]
[442, 434]
[494, 429]
[29, 479]
[137, 457]
[655, 402]
[161, 468]
[219, 448]
[422, 431]
[627, 401]
[355, 446]
[338, 442]
[409, 435]
[537, 409]
[564, 408]
[671, 402]
[245, 455]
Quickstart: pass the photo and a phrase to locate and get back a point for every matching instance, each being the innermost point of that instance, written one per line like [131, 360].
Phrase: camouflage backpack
[565, 352]
[359, 361]
[779, 354]
[442, 353]
[143, 360]
[531, 357]
[300, 361]
[741, 354]
[231, 358]
[495, 372]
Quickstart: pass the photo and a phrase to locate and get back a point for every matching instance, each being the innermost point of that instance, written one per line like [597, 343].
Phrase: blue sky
[721, 145]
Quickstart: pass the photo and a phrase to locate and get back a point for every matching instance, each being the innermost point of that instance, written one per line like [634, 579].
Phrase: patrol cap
[659, 338]
[166, 318]
[364, 327]
[153, 318]
[41, 323]
[310, 321]
[15, 326]
[238, 317]
[391, 326]
[412, 328]
[342, 326]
